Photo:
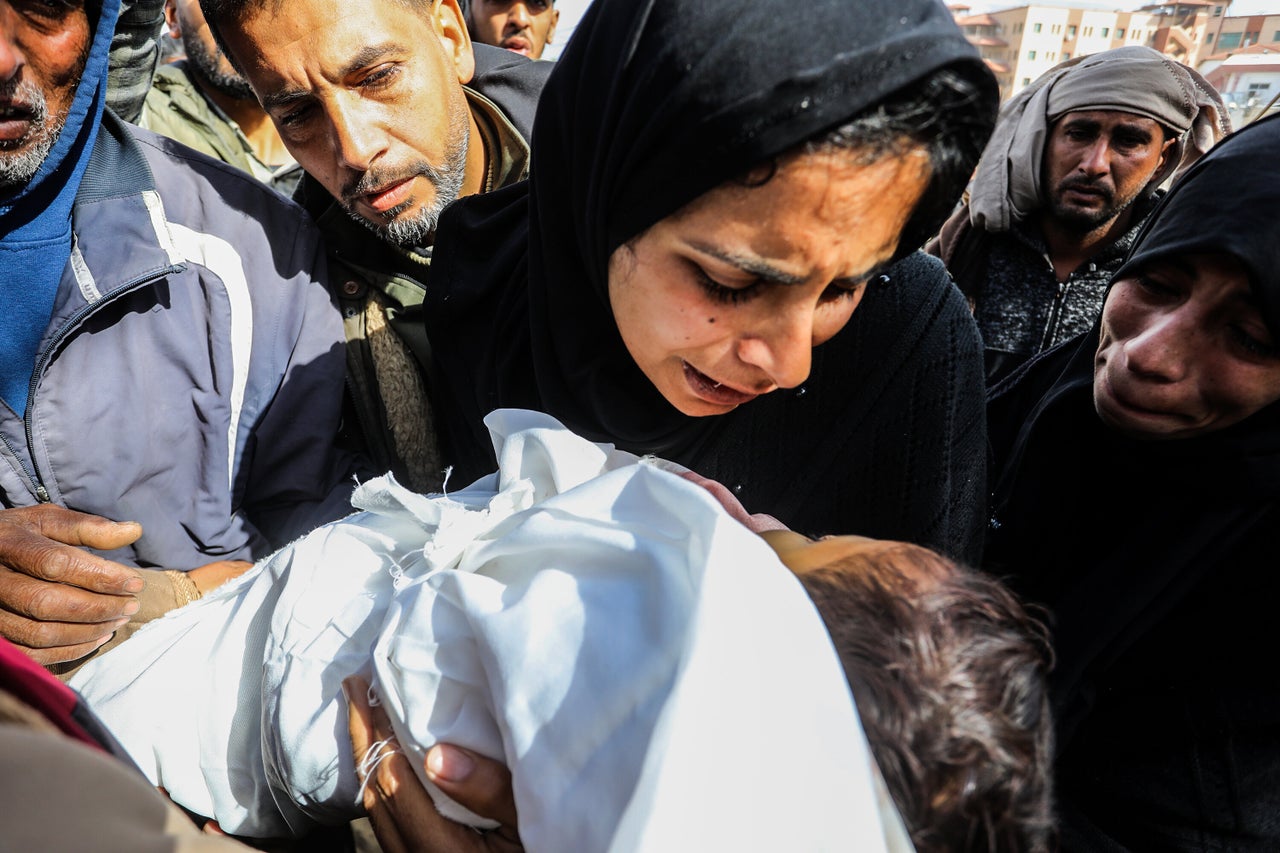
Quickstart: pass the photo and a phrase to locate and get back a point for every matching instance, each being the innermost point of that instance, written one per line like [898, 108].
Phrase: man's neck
[476, 172]
[254, 123]
[1070, 248]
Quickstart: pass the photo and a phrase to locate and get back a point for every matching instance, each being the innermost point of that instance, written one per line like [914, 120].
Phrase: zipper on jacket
[1055, 314]
[46, 354]
[41, 493]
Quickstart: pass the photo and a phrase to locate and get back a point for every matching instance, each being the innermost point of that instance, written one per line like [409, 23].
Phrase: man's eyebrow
[363, 58]
[369, 55]
[1087, 124]
[1129, 131]
[767, 272]
[283, 98]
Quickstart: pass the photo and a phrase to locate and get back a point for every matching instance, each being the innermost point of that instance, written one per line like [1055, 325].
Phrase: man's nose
[11, 55]
[1097, 159]
[357, 140]
[518, 17]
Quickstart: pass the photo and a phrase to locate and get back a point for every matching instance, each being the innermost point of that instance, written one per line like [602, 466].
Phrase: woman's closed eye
[1157, 288]
[1255, 344]
[738, 292]
[729, 294]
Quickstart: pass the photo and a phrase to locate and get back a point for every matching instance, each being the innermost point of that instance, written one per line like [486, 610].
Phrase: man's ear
[1164, 151]
[551, 30]
[171, 18]
[455, 38]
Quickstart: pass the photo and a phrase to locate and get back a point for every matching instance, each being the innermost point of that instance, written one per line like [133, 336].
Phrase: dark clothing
[1156, 560]
[1020, 305]
[380, 286]
[651, 105]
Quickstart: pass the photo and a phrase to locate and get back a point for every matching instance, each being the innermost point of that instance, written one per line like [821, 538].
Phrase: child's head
[949, 674]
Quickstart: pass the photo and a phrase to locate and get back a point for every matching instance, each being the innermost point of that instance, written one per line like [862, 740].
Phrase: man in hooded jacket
[1063, 188]
[171, 365]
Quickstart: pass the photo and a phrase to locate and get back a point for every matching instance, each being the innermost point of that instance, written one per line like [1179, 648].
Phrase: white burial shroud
[653, 676]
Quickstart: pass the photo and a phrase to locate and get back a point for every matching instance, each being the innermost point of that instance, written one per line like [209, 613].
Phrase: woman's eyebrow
[758, 267]
[767, 272]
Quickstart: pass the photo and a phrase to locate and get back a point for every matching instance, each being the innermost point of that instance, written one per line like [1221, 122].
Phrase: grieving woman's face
[725, 299]
[1184, 350]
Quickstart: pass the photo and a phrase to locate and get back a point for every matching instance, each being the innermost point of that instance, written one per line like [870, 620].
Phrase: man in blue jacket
[169, 353]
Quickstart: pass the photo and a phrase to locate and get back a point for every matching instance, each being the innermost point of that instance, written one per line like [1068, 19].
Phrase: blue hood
[35, 223]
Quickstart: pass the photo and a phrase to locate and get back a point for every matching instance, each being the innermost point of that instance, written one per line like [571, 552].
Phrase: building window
[1251, 38]
[1136, 35]
[1026, 81]
[1049, 55]
[1035, 28]
[1057, 28]
[1017, 28]
[1208, 38]
[1088, 31]
[1065, 56]
[1119, 32]
[1071, 31]
[1105, 31]
[1031, 54]
[1228, 41]
[1277, 36]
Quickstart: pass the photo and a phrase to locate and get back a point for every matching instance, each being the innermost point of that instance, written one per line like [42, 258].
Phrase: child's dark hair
[949, 674]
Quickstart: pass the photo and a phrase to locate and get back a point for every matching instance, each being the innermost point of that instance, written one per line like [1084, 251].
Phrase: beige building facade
[1021, 43]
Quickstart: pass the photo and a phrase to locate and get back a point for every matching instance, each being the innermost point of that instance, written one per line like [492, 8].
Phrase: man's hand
[58, 602]
[403, 816]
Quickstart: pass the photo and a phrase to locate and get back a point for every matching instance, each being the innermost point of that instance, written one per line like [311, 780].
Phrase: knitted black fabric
[886, 439]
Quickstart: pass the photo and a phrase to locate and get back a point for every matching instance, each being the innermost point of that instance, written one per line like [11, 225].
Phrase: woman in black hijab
[1137, 496]
[697, 222]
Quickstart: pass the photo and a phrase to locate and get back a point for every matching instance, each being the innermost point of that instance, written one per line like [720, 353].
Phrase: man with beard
[393, 114]
[523, 26]
[171, 365]
[202, 102]
[1063, 188]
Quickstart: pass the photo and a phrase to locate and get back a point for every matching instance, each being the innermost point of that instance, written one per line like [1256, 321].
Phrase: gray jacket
[191, 376]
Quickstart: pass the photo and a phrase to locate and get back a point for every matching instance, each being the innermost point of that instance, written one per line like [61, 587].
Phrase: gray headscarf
[1132, 79]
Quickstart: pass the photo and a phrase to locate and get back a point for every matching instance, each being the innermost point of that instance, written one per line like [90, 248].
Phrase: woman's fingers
[479, 783]
[403, 815]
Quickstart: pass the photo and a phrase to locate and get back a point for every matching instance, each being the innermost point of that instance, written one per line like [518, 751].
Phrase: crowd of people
[835, 411]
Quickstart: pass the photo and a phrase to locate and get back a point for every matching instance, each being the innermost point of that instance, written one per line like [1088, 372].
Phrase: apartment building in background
[1021, 43]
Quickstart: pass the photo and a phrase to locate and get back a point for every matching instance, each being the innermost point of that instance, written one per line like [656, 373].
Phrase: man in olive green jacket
[202, 102]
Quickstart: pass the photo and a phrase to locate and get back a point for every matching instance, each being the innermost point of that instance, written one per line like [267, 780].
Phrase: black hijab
[1152, 556]
[653, 103]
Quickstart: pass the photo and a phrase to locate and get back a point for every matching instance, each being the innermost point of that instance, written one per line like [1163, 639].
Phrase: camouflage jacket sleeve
[135, 49]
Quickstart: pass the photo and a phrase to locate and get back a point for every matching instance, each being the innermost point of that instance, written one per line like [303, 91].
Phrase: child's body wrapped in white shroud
[650, 672]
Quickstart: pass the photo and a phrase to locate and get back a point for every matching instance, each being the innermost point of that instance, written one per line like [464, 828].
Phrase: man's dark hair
[218, 12]
[949, 675]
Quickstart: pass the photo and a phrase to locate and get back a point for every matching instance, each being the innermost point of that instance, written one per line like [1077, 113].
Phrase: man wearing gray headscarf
[1063, 188]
